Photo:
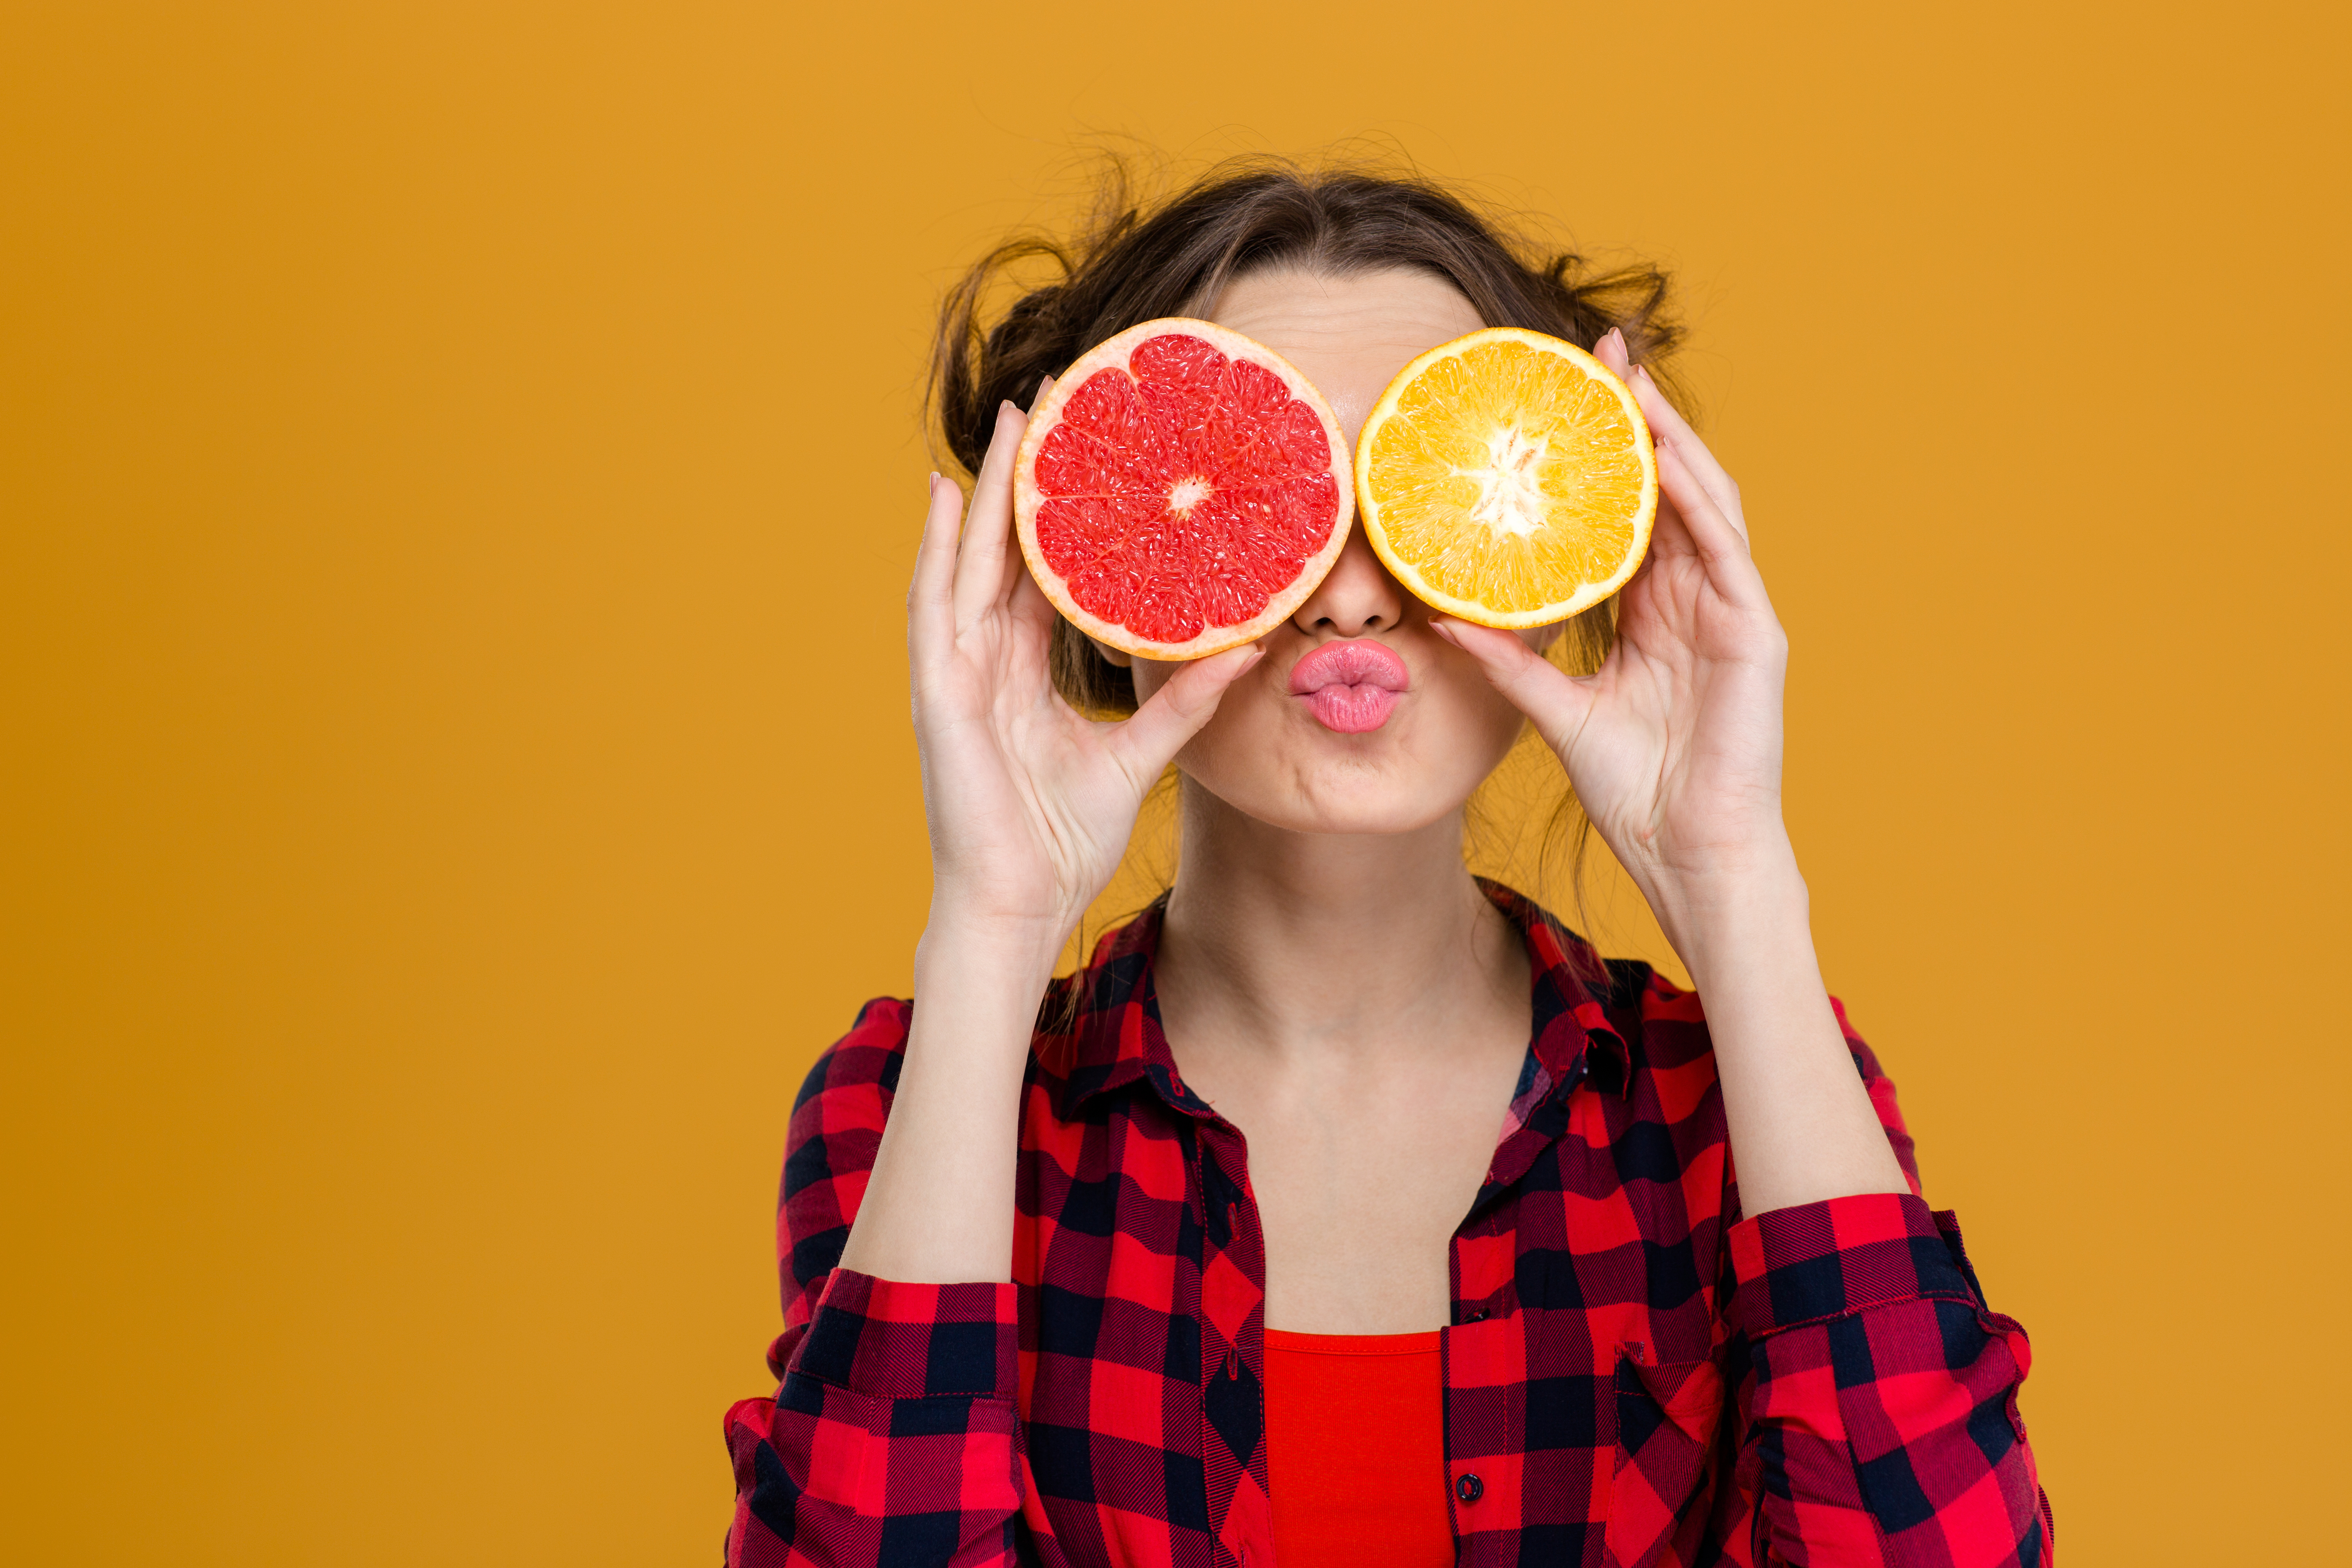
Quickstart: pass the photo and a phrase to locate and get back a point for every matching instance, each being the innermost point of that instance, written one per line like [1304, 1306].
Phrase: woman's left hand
[1674, 746]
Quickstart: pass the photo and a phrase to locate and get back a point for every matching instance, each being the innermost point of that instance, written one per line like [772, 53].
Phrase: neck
[1307, 946]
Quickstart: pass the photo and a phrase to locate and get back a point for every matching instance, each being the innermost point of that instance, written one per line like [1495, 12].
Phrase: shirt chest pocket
[1667, 1417]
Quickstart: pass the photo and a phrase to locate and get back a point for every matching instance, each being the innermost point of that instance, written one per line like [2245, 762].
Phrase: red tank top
[1355, 1451]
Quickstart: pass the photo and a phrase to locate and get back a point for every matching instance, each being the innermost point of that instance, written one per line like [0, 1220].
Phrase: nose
[1359, 597]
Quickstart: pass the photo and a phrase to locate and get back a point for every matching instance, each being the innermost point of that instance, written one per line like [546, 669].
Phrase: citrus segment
[1181, 490]
[1507, 477]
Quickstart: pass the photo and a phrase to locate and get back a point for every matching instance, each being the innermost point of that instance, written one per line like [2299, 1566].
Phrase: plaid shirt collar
[1116, 1039]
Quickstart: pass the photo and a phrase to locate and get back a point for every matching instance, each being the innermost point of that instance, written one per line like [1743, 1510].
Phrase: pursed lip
[1351, 686]
[1359, 662]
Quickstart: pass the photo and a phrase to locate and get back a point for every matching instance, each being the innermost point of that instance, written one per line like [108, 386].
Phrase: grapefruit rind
[1371, 505]
[1027, 499]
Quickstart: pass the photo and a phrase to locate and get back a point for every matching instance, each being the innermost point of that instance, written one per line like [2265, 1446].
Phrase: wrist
[988, 953]
[1735, 902]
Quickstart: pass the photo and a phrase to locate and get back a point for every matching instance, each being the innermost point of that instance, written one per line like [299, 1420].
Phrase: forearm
[938, 1203]
[1802, 1127]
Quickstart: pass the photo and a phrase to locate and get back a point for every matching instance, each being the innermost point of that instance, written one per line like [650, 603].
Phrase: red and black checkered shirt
[1633, 1372]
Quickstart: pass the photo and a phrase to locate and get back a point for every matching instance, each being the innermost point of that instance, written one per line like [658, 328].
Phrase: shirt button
[1469, 1488]
[1479, 1317]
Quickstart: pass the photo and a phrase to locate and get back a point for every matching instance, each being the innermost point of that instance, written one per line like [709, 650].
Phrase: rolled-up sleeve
[892, 1437]
[1884, 1395]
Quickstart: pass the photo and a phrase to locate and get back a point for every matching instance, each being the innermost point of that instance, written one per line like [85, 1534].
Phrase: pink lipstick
[1352, 685]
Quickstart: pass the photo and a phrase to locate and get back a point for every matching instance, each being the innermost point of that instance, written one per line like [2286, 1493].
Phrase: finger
[1669, 535]
[1029, 604]
[1610, 351]
[1028, 601]
[981, 579]
[930, 597]
[1669, 428]
[1148, 742]
[1721, 546]
[1537, 688]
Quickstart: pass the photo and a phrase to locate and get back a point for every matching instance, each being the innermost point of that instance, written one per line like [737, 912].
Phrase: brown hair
[1138, 259]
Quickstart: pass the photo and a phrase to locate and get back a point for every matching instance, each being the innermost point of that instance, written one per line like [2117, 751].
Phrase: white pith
[1187, 493]
[1510, 500]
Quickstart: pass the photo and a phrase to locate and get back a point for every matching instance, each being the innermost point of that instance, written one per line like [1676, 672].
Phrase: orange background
[460, 471]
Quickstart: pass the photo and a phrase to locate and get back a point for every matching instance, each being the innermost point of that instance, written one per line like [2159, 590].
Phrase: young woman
[1346, 1209]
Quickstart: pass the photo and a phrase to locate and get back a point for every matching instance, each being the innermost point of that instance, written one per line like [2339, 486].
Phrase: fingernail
[1007, 407]
[1643, 370]
[935, 483]
[1045, 386]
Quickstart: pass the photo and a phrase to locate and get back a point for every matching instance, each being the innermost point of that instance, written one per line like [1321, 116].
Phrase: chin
[1363, 790]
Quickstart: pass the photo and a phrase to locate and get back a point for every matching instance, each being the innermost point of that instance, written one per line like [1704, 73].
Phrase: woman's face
[1310, 739]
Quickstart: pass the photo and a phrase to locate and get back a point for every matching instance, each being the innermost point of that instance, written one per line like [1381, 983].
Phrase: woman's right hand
[1030, 803]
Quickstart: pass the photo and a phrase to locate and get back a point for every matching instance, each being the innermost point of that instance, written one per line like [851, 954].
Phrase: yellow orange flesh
[1507, 477]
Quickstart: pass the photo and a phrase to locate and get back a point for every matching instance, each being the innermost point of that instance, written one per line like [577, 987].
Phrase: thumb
[1537, 688]
[1145, 745]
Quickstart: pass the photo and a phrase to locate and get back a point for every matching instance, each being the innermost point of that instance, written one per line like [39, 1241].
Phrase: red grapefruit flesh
[1181, 490]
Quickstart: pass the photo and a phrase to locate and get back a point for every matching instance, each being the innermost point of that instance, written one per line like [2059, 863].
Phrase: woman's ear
[1118, 657]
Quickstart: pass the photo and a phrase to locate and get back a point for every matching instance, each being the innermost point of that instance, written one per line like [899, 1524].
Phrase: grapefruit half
[1181, 490]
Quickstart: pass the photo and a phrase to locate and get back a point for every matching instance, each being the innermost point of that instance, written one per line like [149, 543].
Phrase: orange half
[1507, 477]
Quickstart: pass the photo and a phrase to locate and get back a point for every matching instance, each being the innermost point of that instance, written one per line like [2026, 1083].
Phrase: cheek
[1246, 720]
[1246, 724]
[1475, 715]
